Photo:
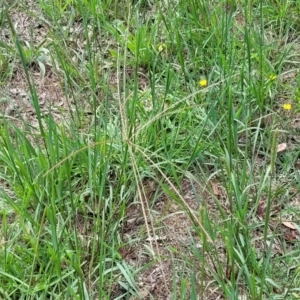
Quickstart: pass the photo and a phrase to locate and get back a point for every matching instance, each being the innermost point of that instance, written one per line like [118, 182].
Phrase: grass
[151, 169]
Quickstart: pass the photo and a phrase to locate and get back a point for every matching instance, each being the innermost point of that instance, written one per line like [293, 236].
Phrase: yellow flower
[287, 106]
[272, 77]
[203, 82]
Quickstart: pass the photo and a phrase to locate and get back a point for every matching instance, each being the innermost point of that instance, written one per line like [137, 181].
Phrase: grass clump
[149, 150]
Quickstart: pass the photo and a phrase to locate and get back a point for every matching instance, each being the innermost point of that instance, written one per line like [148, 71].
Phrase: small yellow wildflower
[203, 82]
[287, 106]
[272, 77]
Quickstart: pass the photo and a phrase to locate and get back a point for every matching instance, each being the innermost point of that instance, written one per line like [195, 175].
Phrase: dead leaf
[126, 251]
[281, 147]
[215, 188]
[289, 225]
[142, 294]
[290, 235]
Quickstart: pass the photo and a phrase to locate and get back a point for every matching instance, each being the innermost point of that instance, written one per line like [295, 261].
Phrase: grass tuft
[149, 150]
